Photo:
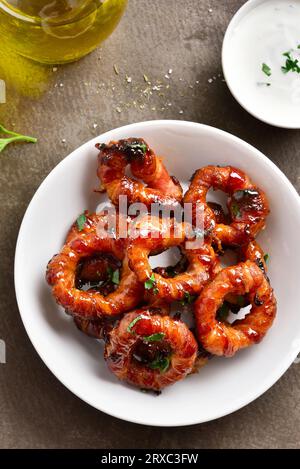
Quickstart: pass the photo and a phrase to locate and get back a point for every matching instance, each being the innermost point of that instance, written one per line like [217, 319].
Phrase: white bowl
[248, 43]
[223, 386]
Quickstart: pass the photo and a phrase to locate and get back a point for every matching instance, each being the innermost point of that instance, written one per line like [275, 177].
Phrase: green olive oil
[57, 31]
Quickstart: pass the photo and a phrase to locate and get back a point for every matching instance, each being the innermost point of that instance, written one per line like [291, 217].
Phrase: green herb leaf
[115, 278]
[150, 283]
[109, 272]
[154, 337]
[161, 363]
[133, 323]
[291, 64]
[266, 258]
[138, 147]
[223, 312]
[113, 275]
[188, 299]
[235, 210]
[15, 137]
[266, 69]
[81, 222]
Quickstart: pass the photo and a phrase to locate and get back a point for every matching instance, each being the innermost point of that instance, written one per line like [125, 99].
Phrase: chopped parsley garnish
[138, 147]
[113, 275]
[14, 137]
[188, 299]
[154, 337]
[266, 69]
[223, 312]
[239, 195]
[291, 64]
[266, 258]
[116, 277]
[133, 323]
[235, 210]
[81, 222]
[160, 363]
[150, 284]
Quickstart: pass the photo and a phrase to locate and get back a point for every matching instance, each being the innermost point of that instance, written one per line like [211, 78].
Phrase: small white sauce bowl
[260, 102]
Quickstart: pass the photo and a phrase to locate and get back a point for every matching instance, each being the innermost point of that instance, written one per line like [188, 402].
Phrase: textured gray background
[36, 410]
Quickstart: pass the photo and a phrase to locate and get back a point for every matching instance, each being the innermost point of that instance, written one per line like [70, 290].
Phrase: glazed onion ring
[150, 351]
[157, 235]
[221, 338]
[61, 275]
[247, 204]
[145, 165]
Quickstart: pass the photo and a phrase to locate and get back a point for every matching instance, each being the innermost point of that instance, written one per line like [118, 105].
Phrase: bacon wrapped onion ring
[157, 235]
[253, 252]
[95, 328]
[248, 252]
[96, 273]
[221, 338]
[247, 204]
[91, 304]
[150, 350]
[145, 165]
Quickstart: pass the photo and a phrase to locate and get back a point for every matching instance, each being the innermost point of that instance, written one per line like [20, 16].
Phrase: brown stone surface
[36, 410]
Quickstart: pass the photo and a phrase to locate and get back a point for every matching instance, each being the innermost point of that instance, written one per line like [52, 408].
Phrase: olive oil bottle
[57, 31]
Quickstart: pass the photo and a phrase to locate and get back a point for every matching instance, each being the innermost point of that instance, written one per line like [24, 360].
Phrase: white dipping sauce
[261, 34]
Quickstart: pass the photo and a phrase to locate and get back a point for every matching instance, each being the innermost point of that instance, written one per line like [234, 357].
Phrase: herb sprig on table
[13, 137]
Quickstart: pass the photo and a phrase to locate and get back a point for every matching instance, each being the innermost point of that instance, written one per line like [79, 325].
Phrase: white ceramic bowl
[223, 386]
[250, 42]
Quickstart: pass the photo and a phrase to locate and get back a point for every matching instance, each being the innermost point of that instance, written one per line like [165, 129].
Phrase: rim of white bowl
[18, 279]
[244, 9]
